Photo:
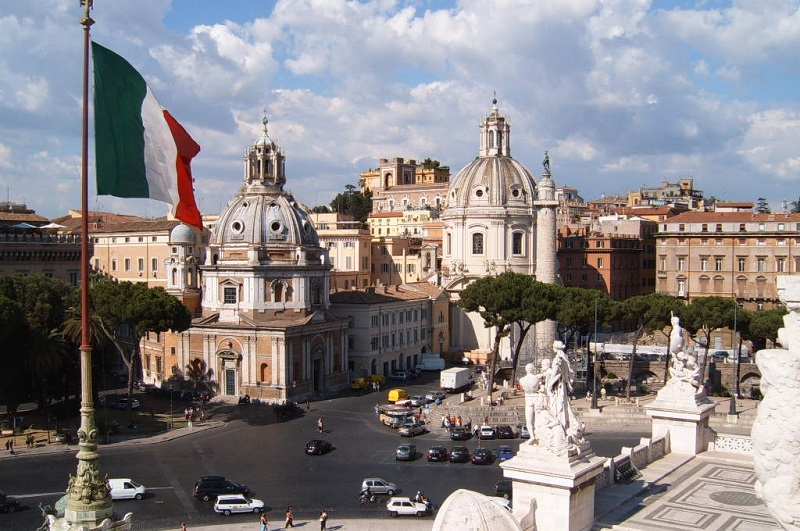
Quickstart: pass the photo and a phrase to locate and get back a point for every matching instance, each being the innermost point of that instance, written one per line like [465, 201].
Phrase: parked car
[418, 401]
[208, 487]
[396, 394]
[359, 384]
[504, 452]
[481, 456]
[126, 489]
[435, 395]
[8, 505]
[460, 433]
[400, 376]
[522, 431]
[487, 432]
[437, 453]
[378, 486]
[459, 454]
[318, 447]
[406, 452]
[503, 488]
[405, 506]
[505, 432]
[122, 403]
[411, 429]
[237, 503]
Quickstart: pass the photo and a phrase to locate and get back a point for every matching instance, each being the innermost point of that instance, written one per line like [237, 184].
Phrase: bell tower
[495, 135]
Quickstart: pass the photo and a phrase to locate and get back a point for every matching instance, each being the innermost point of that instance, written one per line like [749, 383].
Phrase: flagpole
[88, 498]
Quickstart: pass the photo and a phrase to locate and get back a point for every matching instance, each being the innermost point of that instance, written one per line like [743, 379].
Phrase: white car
[126, 489]
[237, 503]
[405, 506]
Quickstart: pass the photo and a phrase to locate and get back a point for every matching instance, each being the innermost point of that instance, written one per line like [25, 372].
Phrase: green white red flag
[140, 149]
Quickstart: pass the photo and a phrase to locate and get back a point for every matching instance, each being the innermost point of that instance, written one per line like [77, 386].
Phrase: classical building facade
[735, 254]
[392, 326]
[349, 245]
[402, 184]
[496, 218]
[266, 328]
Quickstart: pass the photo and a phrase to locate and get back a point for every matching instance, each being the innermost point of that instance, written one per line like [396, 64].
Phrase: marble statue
[776, 432]
[535, 397]
[548, 414]
[684, 371]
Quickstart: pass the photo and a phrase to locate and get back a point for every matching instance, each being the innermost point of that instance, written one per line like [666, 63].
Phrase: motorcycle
[367, 497]
[244, 399]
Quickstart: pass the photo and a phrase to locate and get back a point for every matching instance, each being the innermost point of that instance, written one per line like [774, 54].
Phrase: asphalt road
[254, 449]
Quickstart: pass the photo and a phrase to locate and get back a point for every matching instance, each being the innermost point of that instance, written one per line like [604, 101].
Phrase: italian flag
[140, 149]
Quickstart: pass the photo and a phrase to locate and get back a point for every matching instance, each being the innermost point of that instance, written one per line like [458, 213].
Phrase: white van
[126, 489]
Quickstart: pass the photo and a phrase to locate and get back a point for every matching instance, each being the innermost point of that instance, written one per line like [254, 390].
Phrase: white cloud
[5, 156]
[770, 144]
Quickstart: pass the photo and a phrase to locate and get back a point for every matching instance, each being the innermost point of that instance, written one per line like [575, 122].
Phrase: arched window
[499, 139]
[516, 243]
[174, 276]
[491, 139]
[477, 243]
[277, 292]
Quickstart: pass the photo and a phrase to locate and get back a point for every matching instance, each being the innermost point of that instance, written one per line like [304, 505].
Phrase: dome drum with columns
[496, 219]
[265, 328]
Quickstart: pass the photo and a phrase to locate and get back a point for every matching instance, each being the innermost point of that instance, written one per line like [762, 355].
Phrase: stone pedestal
[685, 417]
[555, 493]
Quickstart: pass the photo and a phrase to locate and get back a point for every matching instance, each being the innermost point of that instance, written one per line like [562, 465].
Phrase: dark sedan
[506, 432]
[460, 433]
[318, 447]
[481, 456]
[438, 453]
[459, 454]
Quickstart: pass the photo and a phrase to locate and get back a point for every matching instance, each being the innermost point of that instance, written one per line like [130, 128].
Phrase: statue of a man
[535, 399]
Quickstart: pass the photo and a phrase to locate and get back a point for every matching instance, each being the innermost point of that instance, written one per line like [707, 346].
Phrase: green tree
[763, 326]
[702, 317]
[650, 313]
[795, 207]
[127, 311]
[353, 202]
[762, 206]
[497, 299]
[12, 336]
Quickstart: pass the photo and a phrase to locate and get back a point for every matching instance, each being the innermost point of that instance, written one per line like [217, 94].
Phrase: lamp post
[735, 346]
[594, 359]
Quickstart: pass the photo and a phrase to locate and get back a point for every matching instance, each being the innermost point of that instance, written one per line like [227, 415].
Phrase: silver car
[410, 430]
[378, 486]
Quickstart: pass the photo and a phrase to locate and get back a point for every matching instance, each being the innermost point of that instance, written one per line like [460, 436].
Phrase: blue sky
[622, 93]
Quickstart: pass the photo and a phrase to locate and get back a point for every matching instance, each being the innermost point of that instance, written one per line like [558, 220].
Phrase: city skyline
[621, 95]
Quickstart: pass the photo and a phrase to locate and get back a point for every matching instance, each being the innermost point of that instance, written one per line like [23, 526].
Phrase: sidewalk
[407, 523]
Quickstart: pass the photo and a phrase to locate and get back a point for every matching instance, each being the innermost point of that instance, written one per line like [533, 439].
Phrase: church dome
[182, 234]
[466, 510]
[494, 178]
[263, 213]
[262, 217]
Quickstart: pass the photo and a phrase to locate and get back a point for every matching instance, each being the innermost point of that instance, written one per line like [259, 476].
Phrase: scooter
[366, 498]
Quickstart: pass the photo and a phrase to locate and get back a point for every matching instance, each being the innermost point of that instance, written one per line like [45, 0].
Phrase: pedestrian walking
[319, 425]
[289, 518]
[323, 520]
[308, 405]
[264, 522]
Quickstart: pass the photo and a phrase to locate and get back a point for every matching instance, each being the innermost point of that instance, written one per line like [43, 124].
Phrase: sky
[621, 93]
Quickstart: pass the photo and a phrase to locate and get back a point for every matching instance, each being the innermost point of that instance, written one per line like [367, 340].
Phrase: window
[584, 261]
[742, 227]
[401, 317]
[141, 264]
[384, 268]
[704, 264]
[569, 261]
[761, 226]
[364, 263]
[154, 265]
[780, 265]
[411, 268]
[681, 264]
[127, 240]
[761, 264]
[742, 263]
[681, 288]
[477, 243]
[681, 227]
[73, 278]
[398, 268]
[516, 243]
[448, 243]
[383, 249]
[719, 227]
[423, 313]
[351, 342]
[599, 262]
[718, 263]
[375, 321]
[348, 261]
[375, 343]
[704, 227]
[127, 264]
[781, 226]
[385, 319]
[229, 295]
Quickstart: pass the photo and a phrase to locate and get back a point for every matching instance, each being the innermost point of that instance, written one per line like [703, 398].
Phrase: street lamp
[594, 359]
[735, 346]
